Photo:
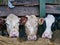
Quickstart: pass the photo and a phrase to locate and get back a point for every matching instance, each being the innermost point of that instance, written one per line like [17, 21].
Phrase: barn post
[42, 13]
[42, 8]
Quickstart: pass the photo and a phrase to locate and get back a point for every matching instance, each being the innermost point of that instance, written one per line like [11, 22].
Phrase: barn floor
[14, 41]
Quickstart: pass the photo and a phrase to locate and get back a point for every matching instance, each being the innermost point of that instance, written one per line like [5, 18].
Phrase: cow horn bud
[41, 21]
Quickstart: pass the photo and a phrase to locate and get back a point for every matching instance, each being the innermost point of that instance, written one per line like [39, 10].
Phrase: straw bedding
[17, 41]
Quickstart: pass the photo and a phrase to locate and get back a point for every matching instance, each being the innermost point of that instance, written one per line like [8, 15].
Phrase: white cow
[31, 27]
[50, 19]
[12, 23]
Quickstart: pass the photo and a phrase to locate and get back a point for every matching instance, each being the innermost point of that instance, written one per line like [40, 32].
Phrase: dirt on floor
[56, 37]
[17, 41]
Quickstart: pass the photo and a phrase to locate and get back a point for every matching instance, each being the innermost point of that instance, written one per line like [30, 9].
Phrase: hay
[56, 37]
[15, 41]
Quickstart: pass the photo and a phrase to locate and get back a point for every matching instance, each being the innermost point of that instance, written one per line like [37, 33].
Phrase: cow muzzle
[49, 36]
[32, 38]
[14, 35]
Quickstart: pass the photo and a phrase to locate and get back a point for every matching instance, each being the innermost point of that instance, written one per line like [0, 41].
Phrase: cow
[12, 23]
[31, 27]
[49, 20]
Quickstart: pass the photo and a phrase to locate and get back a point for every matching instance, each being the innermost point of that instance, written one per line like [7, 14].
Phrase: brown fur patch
[23, 20]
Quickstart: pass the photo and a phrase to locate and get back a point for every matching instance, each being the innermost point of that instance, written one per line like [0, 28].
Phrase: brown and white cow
[12, 23]
[31, 27]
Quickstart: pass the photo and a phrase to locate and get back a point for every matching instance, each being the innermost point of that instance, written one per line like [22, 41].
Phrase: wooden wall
[22, 8]
[29, 7]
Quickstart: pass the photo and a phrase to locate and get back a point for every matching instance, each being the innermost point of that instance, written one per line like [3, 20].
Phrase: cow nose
[14, 27]
[32, 38]
[13, 36]
[46, 36]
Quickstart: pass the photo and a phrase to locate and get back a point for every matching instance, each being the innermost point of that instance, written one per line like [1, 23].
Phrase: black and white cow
[49, 22]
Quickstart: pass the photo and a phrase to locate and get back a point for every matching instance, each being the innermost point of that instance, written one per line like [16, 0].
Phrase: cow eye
[7, 24]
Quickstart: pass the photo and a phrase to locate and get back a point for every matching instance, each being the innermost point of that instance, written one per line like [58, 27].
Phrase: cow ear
[41, 21]
[23, 20]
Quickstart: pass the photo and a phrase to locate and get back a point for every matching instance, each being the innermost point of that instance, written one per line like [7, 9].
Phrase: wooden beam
[19, 11]
[42, 8]
[23, 3]
[53, 9]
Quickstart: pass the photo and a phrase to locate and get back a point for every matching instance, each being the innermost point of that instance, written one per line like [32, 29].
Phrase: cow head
[50, 19]
[12, 23]
[31, 27]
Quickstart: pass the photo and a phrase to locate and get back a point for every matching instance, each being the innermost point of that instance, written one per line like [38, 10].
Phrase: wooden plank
[50, 1]
[53, 9]
[30, 2]
[53, 1]
[23, 10]
[24, 2]
[19, 11]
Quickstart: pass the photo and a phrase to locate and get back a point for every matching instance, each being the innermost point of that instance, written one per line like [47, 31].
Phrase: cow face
[50, 19]
[31, 27]
[12, 23]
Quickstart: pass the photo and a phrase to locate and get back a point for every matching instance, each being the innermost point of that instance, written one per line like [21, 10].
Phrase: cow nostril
[46, 37]
[29, 38]
[35, 38]
[13, 36]
[13, 27]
